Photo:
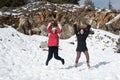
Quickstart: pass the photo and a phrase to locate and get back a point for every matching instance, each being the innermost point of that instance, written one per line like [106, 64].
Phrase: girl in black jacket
[81, 35]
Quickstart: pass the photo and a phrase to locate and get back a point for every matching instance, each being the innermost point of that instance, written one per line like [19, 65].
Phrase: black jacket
[81, 39]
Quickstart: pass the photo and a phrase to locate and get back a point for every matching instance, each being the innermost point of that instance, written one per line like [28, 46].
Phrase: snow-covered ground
[22, 59]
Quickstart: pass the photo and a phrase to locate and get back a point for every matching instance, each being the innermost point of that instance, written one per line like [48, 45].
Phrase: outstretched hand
[55, 21]
[58, 22]
[75, 22]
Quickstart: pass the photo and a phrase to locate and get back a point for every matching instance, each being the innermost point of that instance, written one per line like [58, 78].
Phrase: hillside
[21, 58]
[40, 13]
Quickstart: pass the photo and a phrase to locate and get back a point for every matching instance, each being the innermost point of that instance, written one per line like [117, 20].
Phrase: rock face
[118, 46]
[39, 14]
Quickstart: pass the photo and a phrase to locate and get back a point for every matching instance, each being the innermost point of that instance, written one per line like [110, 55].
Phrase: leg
[77, 58]
[87, 58]
[56, 55]
[50, 55]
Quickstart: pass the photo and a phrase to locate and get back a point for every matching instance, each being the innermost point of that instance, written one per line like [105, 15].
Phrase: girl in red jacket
[53, 41]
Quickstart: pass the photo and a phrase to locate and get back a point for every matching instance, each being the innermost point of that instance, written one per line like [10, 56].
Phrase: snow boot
[76, 65]
[88, 65]
[63, 62]
[46, 63]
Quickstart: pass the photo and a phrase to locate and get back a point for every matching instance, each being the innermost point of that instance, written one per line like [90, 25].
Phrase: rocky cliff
[37, 15]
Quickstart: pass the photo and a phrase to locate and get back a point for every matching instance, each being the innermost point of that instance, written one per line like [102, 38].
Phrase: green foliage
[64, 1]
[110, 5]
[2, 2]
[11, 3]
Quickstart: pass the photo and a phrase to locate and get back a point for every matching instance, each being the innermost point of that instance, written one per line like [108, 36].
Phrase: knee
[50, 56]
[78, 57]
[56, 57]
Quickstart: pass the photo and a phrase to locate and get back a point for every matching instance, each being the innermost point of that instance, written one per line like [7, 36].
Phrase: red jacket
[53, 38]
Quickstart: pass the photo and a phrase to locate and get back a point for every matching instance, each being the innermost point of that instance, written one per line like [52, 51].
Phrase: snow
[108, 10]
[99, 10]
[22, 59]
[7, 13]
[16, 14]
[0, 13]
[41, 5]
[48, 4]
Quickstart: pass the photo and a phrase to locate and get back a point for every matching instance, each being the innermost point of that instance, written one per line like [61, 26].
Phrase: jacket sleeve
[75, 29]
[87, 30]
[59, 29]
[49, 28]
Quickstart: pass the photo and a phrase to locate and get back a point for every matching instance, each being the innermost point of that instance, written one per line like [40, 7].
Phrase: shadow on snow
[101, 64]
[70, 67]
[96, 66]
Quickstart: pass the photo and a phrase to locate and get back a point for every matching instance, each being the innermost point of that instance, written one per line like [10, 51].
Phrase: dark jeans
[53, 50]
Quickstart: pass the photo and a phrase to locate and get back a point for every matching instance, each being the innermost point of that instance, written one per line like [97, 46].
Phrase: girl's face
[81, 31]
[54, 31]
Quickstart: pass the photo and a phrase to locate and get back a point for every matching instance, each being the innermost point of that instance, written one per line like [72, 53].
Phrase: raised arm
[88, 27]
[59, 28]
[49, 28]
[75, 28]
[87, 30]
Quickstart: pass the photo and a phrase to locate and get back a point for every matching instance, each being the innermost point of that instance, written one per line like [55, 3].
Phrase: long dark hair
[55, 23]
[80, 30]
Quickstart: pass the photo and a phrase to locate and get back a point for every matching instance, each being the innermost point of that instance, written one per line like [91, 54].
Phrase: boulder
[67, 31]
[43, 44]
